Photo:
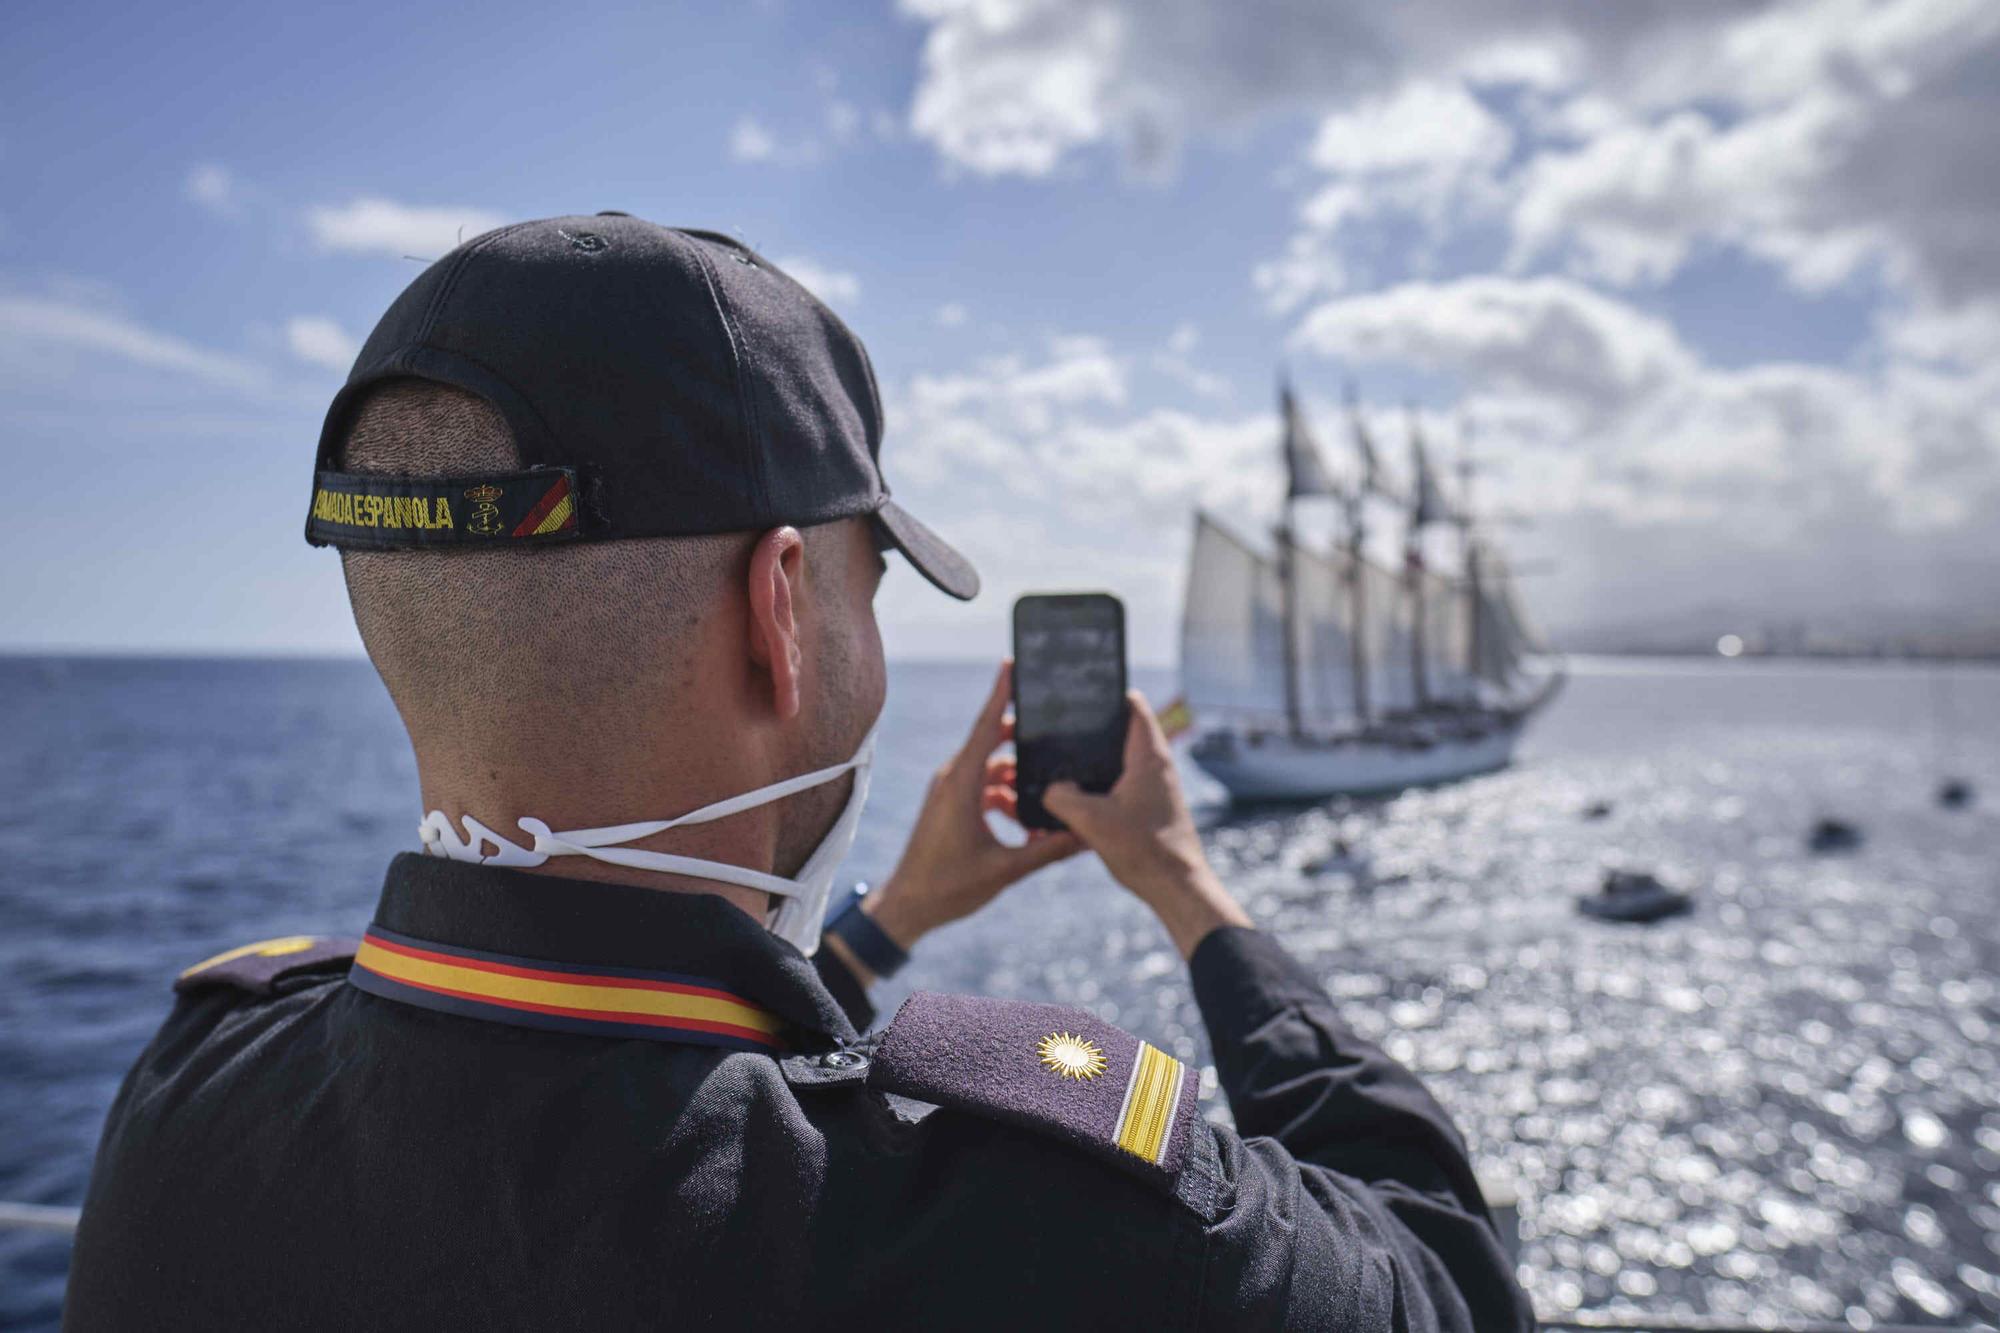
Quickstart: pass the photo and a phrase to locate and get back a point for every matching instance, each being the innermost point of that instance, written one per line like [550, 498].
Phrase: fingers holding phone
[1141, 829]
[953, 865]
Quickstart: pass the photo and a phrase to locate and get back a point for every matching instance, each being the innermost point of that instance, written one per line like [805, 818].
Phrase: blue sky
[1658, 266]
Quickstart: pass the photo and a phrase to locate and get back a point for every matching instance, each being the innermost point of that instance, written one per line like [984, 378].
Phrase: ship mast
[1288, 593]
[1287, 564]
[1468, 551]
[1305, 474]
[1356, 499]
[1413, 558]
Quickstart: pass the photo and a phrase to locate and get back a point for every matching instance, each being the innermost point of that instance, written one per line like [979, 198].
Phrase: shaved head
[572, 668]
[462, 636]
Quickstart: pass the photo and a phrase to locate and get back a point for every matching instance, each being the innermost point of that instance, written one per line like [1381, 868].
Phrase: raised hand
[953, 865]
[1143, 832]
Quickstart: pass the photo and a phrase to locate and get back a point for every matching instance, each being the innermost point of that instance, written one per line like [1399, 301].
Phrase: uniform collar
[478, 912]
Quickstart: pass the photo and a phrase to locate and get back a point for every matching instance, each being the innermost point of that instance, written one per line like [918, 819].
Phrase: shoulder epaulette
[259, 967]
[1056, 1071]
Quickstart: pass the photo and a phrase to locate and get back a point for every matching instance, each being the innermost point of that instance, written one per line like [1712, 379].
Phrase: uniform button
[843, 1059]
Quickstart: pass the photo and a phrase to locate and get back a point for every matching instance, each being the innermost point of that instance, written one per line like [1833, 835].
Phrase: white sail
[1304, 467]
[1527, 638]
[1498, 649]
[1391, 685]
[1447, 639]
[1325, 643]
[1503, 637]
[1232, 628]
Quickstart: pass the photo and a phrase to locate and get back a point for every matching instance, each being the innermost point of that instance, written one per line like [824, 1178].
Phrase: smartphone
[1069, 696]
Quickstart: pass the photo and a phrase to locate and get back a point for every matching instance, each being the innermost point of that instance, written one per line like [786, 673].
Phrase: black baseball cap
[659, 382]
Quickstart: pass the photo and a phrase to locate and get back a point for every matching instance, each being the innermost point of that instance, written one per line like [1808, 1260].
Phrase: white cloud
[1636, 199]
[951, 315]
[382, 226]
[1020, 87]
[1176, 362]
[1658, 478]
[1427, 153]
[836, 287]
[1041, 470]
[1583, 152]
[1427, 127]
[840, 129]
[29, 324]
[1606, 410]
[749, 141]
[213, 187]
[1824, 139]
[321, 342]
[1011, 89]
[1546, 335]
[1818, 134]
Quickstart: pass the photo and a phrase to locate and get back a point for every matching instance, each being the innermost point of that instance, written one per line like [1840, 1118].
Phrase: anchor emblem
[485, 518]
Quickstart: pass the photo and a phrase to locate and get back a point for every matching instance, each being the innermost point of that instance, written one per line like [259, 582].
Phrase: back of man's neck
[756, 904]
[747, 840]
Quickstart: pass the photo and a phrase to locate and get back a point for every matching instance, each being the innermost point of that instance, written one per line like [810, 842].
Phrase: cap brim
[931, 554]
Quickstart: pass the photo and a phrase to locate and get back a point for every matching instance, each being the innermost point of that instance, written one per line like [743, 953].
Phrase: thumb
[1037, 852]
[1072, 805]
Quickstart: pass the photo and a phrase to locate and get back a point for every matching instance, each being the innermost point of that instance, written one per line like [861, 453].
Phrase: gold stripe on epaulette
[1146, 1119]
[277, 948]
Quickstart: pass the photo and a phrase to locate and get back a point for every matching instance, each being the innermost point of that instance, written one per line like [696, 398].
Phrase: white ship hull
[1277, 767]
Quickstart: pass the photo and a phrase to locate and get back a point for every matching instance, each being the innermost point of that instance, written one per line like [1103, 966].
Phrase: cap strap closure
[366, 510]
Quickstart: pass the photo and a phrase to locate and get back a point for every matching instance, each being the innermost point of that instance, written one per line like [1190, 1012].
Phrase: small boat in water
[1629, 895]
[1833, 835]
[1318, 672]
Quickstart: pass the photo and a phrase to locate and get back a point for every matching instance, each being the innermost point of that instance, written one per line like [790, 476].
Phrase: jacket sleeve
[1345, 1199]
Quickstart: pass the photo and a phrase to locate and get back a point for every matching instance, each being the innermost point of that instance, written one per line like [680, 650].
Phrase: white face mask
[801, 900]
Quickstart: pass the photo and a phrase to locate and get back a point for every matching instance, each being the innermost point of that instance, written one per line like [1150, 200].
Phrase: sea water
[1785, 1104]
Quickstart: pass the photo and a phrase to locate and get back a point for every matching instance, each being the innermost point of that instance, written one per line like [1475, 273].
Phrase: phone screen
[1069, 696]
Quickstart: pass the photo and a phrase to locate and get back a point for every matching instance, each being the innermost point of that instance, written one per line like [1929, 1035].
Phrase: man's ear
[777, 581]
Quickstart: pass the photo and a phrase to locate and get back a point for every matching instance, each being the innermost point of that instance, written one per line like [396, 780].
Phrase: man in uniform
[611, 515]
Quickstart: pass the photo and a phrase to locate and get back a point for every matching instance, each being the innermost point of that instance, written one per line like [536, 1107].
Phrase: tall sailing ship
[1315, 672]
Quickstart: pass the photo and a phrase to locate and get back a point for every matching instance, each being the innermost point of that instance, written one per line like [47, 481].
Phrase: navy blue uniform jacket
[457, 1129]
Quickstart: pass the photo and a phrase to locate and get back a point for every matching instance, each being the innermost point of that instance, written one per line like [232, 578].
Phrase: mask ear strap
[616, 833]
[549, 844]
[441, 839]
[802, 900]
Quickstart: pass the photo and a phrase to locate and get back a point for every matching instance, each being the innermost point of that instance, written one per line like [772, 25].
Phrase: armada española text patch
[351, 509]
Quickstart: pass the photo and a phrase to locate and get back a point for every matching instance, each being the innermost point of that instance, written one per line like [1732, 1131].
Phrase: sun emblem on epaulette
[1070, 1056]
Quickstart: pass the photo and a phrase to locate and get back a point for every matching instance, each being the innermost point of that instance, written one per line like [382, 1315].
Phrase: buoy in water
[1629, 895]
[1833, 835]
[1340, 856]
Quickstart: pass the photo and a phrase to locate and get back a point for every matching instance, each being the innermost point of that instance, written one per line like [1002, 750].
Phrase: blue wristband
[867, 940]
